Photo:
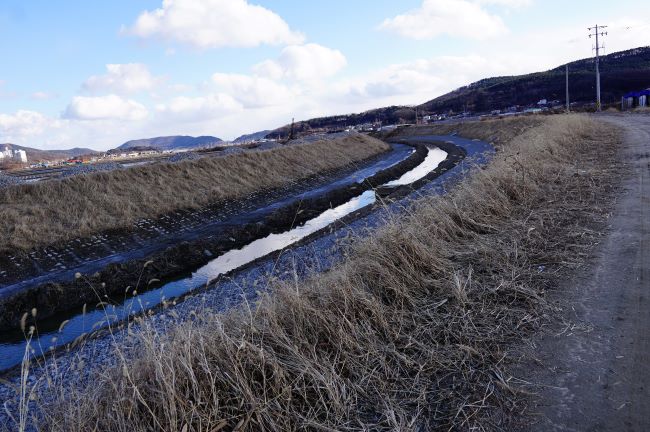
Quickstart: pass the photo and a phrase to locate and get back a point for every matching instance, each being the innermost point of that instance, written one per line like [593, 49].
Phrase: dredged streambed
[315, 253]
[12, 350]
[53, 335]
[179, 242]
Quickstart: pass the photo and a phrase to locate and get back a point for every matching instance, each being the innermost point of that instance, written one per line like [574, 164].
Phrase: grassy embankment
[413, 331]
[492, 130]
[46, 213]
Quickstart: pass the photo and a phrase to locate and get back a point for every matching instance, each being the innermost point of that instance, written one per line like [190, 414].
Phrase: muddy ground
[592, 369]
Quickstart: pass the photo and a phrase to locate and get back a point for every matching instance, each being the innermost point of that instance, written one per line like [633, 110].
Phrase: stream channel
[63, 329]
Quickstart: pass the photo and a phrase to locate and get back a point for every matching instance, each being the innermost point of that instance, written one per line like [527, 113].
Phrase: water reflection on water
[430, 162]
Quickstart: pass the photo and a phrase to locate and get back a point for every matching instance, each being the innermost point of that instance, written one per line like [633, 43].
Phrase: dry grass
[50, 212]
[411, 332]
[497, 131]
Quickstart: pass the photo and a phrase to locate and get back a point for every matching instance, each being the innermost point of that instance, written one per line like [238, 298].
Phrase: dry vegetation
[49, 212]
[497, 131]
[411, 332]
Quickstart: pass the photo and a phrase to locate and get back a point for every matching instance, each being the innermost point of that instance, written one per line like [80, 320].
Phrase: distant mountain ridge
[175, 142]
[37, 155]
[621, 72]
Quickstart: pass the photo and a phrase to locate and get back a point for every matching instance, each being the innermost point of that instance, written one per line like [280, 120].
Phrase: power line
[596, 32]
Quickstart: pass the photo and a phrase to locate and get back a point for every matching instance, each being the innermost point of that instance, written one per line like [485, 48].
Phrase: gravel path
[594, 375]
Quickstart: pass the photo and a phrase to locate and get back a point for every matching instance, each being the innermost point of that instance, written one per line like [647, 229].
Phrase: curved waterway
[13, 345]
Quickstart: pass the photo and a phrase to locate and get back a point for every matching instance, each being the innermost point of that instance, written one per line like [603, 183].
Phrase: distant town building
[14, 155]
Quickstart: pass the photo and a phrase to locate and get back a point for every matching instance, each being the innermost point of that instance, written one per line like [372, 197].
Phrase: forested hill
[621, 72]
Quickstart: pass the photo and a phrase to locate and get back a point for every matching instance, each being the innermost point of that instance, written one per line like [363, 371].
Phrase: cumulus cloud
[252, 91]
[303, 62]
[464, 18]
[110, 107]
[123, 79]
[215, 24]
[195, 109]
[417, 81]
[24, 123]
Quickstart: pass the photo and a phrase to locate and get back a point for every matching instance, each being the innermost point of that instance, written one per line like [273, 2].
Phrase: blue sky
[95, 74]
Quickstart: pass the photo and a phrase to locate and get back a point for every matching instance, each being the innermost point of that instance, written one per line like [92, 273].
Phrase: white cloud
[105, 108]
[252, 91]
[417, 81]
[462, 18]
[123, 79]
[215, 24]
[196, 109]
[303, 62]
[24, 123]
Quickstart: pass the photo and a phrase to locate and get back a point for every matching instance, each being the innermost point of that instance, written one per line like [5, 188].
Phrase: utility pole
[597, 31]
[568, 105]
[291, 131]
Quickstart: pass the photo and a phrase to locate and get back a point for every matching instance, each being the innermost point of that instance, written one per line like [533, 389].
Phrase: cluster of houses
[636, 99]
[8, 154]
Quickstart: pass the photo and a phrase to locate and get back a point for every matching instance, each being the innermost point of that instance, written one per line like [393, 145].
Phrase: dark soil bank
[179, 258]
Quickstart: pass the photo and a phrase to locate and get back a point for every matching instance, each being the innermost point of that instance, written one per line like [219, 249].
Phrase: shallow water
[430, 162]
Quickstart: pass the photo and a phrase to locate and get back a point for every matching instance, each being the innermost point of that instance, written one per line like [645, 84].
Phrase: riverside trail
[595, 376]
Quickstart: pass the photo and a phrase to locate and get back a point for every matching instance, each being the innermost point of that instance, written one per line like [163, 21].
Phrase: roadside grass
[54, 211]
[413, 331]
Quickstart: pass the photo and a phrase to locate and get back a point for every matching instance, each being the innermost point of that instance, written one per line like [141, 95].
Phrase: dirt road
[594, 373]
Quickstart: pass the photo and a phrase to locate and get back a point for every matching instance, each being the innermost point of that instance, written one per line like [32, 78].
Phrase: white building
[17, 155]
